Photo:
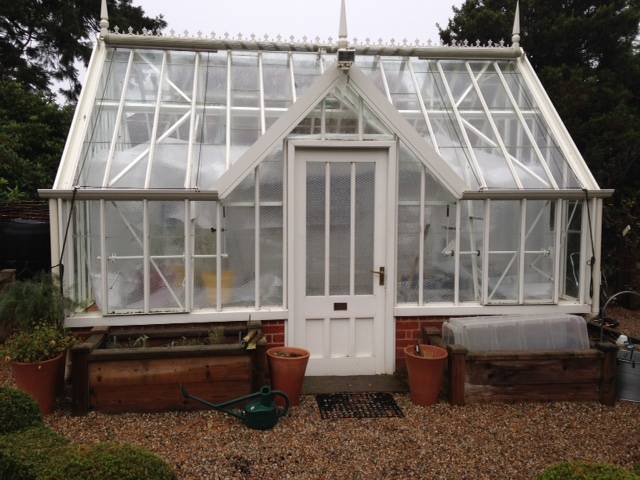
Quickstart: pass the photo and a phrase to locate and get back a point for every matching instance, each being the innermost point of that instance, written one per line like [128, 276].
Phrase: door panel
[339, 242]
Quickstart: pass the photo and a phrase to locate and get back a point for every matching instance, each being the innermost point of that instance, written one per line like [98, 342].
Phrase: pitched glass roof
[178, 119]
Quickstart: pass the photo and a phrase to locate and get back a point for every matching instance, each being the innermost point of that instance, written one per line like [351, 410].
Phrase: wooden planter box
[541, 376]
[147, 379]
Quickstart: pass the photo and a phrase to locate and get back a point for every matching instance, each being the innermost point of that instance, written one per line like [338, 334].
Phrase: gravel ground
[474, 442]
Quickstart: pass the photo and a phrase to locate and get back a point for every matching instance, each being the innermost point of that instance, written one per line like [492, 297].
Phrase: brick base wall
[274, 332]
[409, 332]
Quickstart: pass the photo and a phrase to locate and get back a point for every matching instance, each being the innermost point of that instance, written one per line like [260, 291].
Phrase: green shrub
[111, 461]
[37, 453]
[24, 455]
[17, 411]
[587, 471]
[43, 343]
[25, 304]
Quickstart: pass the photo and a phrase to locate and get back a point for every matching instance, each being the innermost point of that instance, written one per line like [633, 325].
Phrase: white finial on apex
[343, 42]
[104, 18]
[515, 37]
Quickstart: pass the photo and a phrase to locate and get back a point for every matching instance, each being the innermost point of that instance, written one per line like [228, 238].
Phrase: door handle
[380, 274]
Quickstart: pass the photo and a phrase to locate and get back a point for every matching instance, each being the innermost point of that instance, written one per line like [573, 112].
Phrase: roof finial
[104, 18]
[515, 37]
[343, 42]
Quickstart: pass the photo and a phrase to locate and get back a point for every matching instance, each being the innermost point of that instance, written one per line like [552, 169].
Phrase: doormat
[358, 405]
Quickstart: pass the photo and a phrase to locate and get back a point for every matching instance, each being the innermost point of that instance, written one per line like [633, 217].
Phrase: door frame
[390, 227]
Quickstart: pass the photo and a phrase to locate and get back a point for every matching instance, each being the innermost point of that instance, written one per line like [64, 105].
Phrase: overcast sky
[366, 18]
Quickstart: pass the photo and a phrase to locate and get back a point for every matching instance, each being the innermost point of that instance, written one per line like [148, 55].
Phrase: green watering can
[259, 414]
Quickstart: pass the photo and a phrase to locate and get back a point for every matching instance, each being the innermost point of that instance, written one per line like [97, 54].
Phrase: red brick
[402, 325]
[278, 338]
[273, 329]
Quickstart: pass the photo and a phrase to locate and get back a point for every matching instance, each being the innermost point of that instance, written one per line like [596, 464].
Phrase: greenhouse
[334, 186]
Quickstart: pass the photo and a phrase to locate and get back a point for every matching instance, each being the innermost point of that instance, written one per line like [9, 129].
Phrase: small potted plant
[287, 366]
[37, 360]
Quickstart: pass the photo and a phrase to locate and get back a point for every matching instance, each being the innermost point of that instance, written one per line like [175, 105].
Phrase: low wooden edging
[147, 379]
[476, 377]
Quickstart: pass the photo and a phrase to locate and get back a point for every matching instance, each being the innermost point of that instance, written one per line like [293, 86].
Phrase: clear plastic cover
[541, 332]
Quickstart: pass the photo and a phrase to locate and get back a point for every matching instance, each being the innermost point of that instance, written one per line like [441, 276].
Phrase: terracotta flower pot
[40, 380]
[425, 373]
[287, 366]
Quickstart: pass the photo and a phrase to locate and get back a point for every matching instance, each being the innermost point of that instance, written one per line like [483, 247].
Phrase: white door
[339, 248]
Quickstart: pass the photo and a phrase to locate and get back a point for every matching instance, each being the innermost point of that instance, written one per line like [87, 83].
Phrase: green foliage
[25, 455]
[586, 471]
[216, 336]
[39, 454]
[33, 130]
[25, 304]
[44, 342]
[43, 42]
[587, 57]
[17, 411]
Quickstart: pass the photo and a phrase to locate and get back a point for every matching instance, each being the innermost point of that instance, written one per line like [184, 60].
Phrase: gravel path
[475, 442]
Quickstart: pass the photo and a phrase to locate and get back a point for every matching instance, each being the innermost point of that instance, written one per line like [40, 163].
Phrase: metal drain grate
[358, 405]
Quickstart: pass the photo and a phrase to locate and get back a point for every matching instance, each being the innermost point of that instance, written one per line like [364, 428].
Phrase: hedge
[587, 471]
[17, 411]
[37, 453]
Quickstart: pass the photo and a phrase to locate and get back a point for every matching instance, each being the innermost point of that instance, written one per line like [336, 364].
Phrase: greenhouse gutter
[129, 194]
[536, 194]
[211, 195]
[210, 45]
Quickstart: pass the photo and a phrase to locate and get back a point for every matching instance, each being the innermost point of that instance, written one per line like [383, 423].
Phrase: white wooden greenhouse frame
[389, 140]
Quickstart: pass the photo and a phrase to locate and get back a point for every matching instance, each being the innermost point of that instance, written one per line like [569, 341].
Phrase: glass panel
[166, 256]
[539, 251]
[439, 245]
[504, 247]
[408, 253]
[125, 272]
[271, 171]
[238, 261]
[204, 236]
[245, 88]
[212, 78]
[306, 68]
[209, 153]
[179, 73]
[429, 83]
[209, 150]
[409, 172]
[370, 65]
[315, 228]
[471, 248]
[572, 241]
[401, 87]
[341, 114]
[245, 130]
[271, 256]
[169, 163]
[271, 229]
[364, 228]
[276, 80]
[340, 228]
